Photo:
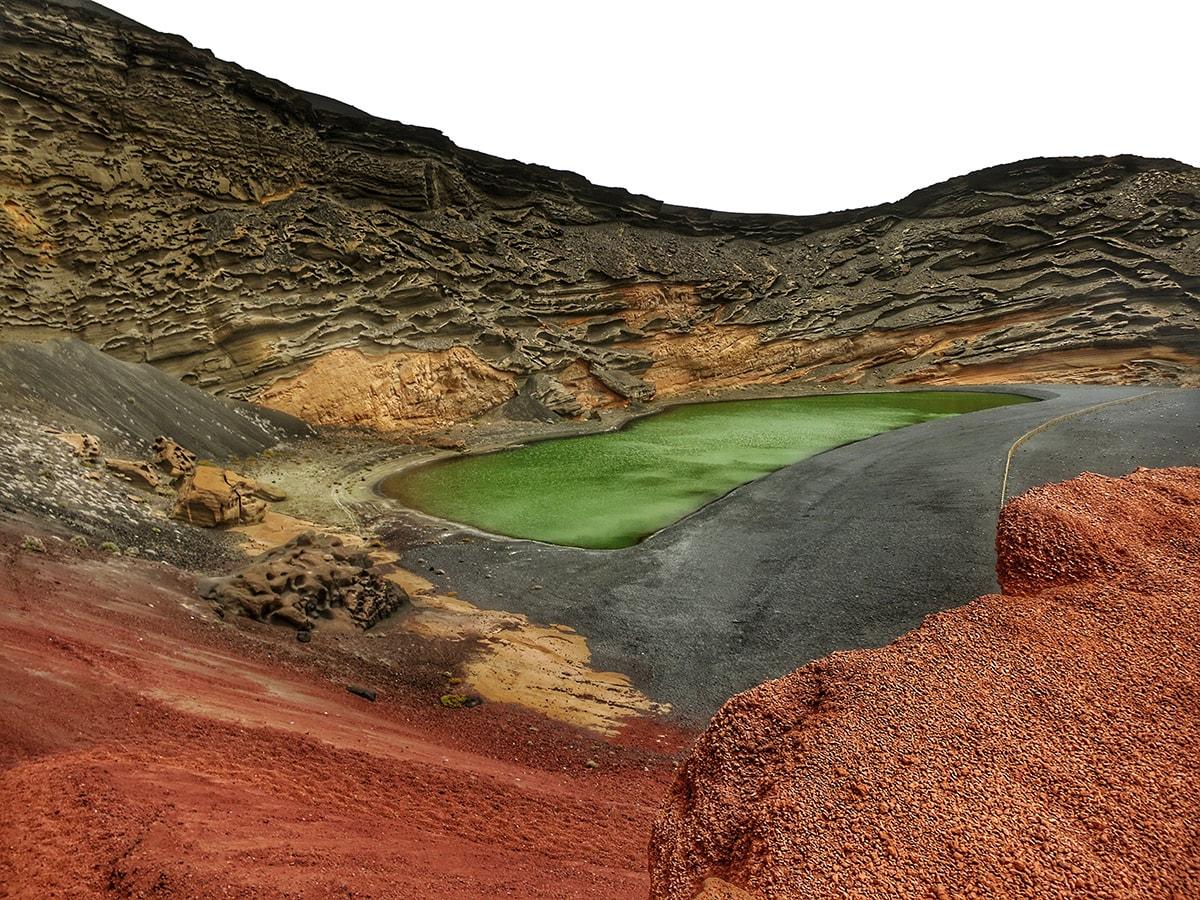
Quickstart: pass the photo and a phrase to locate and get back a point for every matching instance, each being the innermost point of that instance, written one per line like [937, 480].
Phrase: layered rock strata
[176, 209]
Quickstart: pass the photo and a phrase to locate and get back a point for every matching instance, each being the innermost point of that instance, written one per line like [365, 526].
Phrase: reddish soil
[1040, 743]
[148, 748]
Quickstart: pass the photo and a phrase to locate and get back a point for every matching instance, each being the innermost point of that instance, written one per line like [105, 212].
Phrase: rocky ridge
[269, 244]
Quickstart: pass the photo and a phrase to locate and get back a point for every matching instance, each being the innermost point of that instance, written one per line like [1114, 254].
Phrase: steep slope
[69, 384]
[150, 748]
[1043, 743]
[265, 243]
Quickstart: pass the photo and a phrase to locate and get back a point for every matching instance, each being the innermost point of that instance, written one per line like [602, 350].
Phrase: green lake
[610, 490]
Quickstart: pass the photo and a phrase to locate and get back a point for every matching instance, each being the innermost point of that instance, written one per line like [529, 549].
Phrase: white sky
[740, 105]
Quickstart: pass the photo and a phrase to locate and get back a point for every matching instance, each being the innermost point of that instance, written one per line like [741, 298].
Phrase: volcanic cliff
[274, 245]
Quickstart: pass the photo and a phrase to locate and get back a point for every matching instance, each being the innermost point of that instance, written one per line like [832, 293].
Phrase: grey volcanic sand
[850, 548]
[74, 385]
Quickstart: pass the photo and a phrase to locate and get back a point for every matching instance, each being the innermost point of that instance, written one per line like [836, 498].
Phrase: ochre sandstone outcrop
[400, 390]
[213, 496]
[176, 461]
[1040, 743]
[85, 446]
[309, 578]
[138, 471]
[172, 208]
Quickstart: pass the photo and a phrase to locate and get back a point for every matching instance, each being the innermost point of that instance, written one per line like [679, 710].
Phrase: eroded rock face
[173, 208]
[176, 461]
[311, 577]
[393, 392]
[212, 496]
[138, 471]
[1041, 743]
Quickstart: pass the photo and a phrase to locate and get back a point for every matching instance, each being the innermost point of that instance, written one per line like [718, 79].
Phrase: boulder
[628, 385]
[446, 442]
[552, 394]
[309, 578]
[716, 889]
[140, 473]
[212, 496]
[175, 460]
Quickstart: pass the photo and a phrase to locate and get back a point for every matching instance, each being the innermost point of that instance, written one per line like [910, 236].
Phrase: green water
[611, 490]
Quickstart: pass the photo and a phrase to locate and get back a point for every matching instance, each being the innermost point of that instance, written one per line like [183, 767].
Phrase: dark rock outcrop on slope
[270, 244]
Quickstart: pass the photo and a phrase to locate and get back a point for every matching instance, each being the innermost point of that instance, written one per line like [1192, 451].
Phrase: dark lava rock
[310, 577]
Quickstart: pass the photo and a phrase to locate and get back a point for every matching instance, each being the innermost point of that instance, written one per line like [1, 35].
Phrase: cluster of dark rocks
[310, 578]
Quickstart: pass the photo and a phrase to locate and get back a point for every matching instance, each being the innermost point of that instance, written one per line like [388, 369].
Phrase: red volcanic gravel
[149, 749]
[1041, 743]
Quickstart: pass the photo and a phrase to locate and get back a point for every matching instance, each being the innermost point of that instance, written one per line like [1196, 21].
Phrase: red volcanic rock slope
[1040, 743]
[149, 750]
